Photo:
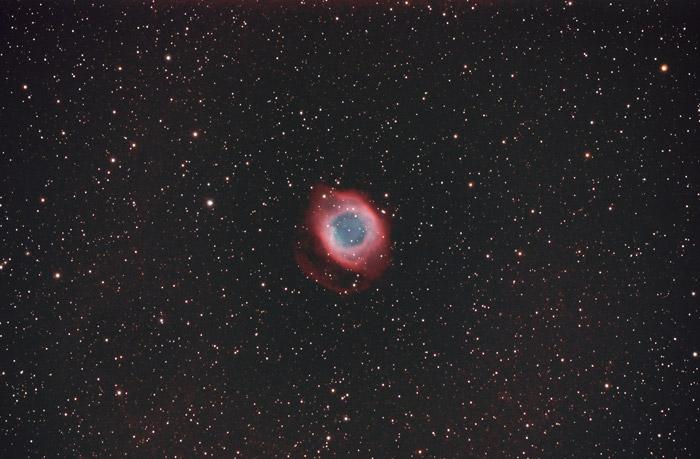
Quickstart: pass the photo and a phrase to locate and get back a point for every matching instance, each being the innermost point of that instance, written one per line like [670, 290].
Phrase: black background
[541, 175]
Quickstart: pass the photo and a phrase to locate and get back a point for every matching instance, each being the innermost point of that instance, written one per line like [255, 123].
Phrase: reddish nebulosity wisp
[344, 244]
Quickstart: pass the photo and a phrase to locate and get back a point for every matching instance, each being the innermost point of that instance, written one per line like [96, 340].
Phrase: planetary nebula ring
[346, 244]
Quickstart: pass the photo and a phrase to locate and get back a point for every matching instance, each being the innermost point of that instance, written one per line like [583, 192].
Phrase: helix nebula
[344, 243]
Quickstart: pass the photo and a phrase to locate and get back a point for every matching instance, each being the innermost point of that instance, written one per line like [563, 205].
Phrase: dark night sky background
[539, 165]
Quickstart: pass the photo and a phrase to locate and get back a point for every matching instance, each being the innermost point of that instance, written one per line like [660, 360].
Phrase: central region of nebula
[349, 229]
[344, 244]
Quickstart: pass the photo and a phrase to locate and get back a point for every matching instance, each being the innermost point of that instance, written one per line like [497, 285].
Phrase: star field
[537, 161]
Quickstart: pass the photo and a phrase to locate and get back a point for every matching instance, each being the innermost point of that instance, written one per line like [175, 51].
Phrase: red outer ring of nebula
[338, 268]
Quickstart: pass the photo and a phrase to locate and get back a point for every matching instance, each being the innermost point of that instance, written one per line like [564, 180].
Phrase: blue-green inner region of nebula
[348, 229]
